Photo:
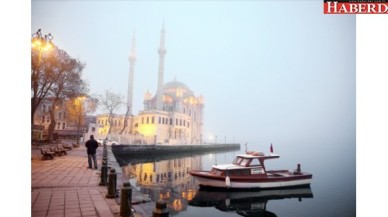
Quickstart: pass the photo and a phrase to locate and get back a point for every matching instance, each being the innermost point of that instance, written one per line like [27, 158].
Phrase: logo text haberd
[356, 8]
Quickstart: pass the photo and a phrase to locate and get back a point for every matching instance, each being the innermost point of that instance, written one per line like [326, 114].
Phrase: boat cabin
[254, 159]
[244, 165]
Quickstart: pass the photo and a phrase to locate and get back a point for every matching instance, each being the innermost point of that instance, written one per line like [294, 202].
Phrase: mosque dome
[177, 88]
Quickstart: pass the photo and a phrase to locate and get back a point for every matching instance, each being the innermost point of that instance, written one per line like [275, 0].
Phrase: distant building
[174, 115]
[65, 128]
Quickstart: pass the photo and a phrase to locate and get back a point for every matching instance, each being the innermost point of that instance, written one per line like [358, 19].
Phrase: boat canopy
[260, 155]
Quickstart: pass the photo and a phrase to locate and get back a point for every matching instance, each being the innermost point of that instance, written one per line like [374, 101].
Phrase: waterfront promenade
[66, 187]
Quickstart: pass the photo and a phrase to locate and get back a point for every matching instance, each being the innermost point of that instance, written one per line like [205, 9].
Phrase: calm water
[332, 192]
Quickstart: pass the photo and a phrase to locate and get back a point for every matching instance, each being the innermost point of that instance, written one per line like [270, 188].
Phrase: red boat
[248, 171]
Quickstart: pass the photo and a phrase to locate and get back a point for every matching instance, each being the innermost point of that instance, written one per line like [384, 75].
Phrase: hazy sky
[270, 71]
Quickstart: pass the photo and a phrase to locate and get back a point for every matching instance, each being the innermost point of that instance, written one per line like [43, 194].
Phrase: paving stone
[39, 213]
[65, 187]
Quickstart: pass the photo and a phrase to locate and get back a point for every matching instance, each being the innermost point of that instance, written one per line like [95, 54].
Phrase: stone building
[174, 115]
[65, 127]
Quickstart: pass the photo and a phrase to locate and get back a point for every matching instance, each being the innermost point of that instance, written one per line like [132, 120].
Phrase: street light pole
[39, 44]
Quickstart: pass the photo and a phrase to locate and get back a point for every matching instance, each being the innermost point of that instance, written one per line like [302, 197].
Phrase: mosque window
[148, 120]
[176, 121]
[188, 124]
[159, 120]
[59, 115]
[63, 125]
[59, 125]
[153, 119]
[170, 121]
[184, 122]
[64, 115]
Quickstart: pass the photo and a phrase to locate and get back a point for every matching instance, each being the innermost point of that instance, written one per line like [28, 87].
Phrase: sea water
[333, 188]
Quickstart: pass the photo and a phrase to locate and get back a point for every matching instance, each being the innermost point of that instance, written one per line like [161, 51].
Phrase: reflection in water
[246, 203]
[168, 180]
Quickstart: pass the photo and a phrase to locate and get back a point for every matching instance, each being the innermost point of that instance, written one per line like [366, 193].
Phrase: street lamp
[41, 43]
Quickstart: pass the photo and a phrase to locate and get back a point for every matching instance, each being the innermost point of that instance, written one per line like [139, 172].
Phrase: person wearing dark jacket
[91, 146]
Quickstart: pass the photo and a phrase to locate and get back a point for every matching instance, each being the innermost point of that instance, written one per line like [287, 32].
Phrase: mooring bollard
[104, 150]
[112, 184]
[160, 209]
[126, 200]
[104, 174]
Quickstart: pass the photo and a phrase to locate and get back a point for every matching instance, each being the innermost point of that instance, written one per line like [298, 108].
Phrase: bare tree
[67, 84]
[43, 76]
[110, 102]
[125, 120]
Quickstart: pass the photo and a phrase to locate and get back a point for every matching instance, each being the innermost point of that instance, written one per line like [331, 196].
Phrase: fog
[271, 72]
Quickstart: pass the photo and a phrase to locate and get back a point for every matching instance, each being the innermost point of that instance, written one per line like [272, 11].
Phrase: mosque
[174, 115]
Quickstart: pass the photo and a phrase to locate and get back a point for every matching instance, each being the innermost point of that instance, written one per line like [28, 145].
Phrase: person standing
[91, 146]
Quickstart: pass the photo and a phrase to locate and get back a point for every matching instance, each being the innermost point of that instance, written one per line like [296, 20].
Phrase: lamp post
[39, 44]
[79, 103]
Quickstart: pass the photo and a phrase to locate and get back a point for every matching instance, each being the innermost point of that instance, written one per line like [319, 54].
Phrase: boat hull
[205, 179]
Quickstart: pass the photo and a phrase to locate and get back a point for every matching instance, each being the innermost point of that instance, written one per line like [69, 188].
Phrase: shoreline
[140, 153]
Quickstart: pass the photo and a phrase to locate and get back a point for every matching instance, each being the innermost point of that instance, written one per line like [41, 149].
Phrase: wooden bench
[47, 154]
[62, 149]
[66, 147]
[58, 151]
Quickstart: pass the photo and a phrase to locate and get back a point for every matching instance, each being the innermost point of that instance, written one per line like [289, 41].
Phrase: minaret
[162, 52]
[132, 59]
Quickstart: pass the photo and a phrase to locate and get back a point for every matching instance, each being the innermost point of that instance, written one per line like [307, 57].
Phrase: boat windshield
[237, 160]
[244, 162]
[241, 161]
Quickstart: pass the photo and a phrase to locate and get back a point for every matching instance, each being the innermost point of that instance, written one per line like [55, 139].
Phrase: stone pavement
[66, 187]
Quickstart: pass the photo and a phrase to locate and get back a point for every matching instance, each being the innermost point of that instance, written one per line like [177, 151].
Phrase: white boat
[248, 171]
